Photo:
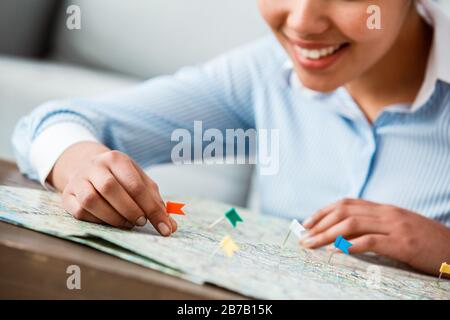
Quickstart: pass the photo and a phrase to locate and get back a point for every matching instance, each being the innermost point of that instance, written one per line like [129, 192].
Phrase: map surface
[262, 268]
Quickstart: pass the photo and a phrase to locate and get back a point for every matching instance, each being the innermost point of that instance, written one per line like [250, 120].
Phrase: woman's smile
[315, 55]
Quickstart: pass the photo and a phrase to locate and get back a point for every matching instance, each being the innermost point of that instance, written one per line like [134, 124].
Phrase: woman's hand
[103, 186]
[386, 230]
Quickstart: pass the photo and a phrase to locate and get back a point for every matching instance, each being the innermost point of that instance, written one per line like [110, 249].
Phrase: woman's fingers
[155, 190]
[91, 201]
[174, 224]
[112, 191]
[73, 207]
[340, 205]
[351, 226]
[140, 191]
[318, 216]
[377, 243]
[338, 214]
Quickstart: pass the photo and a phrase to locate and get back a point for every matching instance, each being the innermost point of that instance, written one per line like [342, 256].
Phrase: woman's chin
[322, 85]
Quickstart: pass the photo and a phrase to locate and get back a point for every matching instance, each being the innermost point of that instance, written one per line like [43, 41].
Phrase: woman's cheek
[373, 44]
[358, 24]
[273, 13]
[353, 25]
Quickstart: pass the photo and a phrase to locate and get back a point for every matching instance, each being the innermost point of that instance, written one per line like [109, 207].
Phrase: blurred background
[121, 43]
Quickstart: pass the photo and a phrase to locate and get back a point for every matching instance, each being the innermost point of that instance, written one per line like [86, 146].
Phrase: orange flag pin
[175, 208]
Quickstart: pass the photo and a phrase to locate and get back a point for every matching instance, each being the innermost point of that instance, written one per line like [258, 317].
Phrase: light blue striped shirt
[328, 149]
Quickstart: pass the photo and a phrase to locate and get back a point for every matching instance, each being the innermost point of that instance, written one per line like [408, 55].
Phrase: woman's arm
[98, 144]
[139, 121]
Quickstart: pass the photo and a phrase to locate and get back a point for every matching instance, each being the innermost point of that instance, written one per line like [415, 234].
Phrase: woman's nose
[308, 17]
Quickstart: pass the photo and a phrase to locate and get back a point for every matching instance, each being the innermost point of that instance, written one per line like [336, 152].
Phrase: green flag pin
[231, 215]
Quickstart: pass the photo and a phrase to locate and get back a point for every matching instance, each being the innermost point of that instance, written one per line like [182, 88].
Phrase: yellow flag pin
[229, 246]
[445, 268]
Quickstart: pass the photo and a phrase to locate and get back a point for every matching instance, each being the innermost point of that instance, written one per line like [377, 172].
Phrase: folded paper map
[262, 268]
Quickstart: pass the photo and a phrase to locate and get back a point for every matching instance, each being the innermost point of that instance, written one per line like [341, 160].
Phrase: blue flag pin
[341, 244]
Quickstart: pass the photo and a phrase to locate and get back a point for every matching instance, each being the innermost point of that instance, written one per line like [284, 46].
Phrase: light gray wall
[446, 5]
[142, 38]
[147, 38]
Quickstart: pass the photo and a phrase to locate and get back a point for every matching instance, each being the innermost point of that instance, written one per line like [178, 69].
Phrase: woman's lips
[318, 56]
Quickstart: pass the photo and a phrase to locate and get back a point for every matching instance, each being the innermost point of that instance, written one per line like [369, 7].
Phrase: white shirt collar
[438, 67]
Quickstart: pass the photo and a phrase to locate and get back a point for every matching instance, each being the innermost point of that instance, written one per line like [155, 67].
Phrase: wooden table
[33, 265]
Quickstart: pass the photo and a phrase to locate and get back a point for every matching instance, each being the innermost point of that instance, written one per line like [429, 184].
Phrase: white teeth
[316, 54]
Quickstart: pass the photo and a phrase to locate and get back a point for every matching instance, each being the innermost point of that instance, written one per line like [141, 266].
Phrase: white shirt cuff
[51, 143]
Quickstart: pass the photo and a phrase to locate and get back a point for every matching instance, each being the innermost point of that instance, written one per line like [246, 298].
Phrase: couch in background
[120, 43]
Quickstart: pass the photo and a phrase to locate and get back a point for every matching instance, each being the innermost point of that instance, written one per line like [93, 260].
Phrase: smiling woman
[331, 45]
[363, 116]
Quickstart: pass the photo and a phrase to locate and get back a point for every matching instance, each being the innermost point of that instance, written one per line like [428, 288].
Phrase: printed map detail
[262, 268]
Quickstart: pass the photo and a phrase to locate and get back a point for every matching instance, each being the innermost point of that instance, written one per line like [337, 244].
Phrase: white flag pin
[296, 228]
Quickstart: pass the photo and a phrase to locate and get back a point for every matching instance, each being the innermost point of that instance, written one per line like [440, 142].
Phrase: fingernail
[308, 241]
[304, 236]
[173, 222]
[163, 229]
[141, 221]
[307, 221]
